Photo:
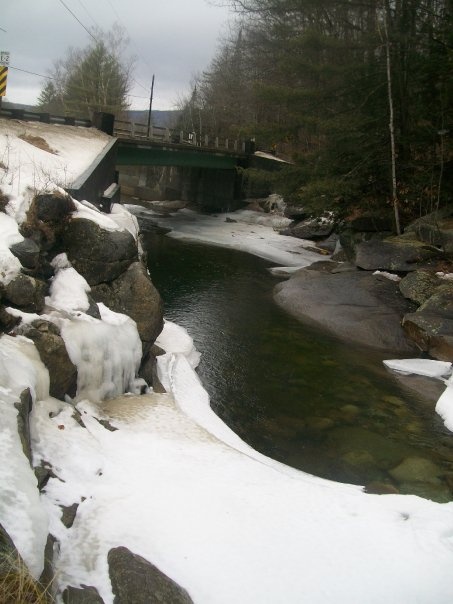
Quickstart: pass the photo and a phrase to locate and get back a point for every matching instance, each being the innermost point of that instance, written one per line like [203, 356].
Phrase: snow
[28, 168]
[444, 406]
[173, 483]
[175, 486]
[252, 232]
[9, 264]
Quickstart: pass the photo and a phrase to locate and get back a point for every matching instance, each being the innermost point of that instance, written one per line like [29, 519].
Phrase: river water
[291, 391]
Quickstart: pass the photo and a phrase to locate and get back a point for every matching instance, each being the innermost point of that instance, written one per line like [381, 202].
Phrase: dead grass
[17, 586]
[38, 141]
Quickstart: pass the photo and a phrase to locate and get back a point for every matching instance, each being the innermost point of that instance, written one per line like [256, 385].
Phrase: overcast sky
[174, 39]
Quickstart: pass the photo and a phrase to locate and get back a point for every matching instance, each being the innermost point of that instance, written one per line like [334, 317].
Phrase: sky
[172, 39]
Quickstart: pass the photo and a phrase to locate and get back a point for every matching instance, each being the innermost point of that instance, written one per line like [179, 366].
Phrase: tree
[96, 78]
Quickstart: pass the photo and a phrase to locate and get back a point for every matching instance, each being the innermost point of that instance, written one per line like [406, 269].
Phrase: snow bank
[249, 231]
[30, 166]
[9, 264]
[176, 486]
[21, 511]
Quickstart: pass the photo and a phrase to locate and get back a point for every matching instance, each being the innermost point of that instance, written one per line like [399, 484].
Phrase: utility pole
[150, 105]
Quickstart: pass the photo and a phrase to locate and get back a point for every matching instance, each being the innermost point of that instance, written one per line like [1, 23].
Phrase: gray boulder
[97, 254]
[134, 294]
[135, 580]
[431, 327]
[436, 229]
[400, 254]
[24, 407]
[53, 207]
[311, 228]
[354, 306]
[53, 353]
[27, 252]
[418, 286]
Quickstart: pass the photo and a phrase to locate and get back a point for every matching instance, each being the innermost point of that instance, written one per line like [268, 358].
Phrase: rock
[311, 228]
[134, 294]
[354, 306]
[82, 595]
[27, 252]
[416, 469]
[435, 229]
[431, 327]
[135, 580]
[319, 423]
[398, 254]
[53, 207]
[431, 333]
[26, 293]
[419, 285]
[148, 372]
[377, 487]
[97, 254]
[436, 492]
[68, 514]
[23, 425]
[53, 353]
[385, 452]
[294, 212]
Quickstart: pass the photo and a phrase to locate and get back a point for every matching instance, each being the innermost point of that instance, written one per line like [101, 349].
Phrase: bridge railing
[47, 118]
[137, 130]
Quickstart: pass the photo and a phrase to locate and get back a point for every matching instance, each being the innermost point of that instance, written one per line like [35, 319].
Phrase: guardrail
[134, 130]
[46, 118]
[137, 130]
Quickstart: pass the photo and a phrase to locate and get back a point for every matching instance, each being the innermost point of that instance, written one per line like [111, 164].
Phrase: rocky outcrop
[97, 254]
[355, 306]
[134, 294]
[136, 580]
[81, 595]
[431, 326]
[399, 254]
[311, 228]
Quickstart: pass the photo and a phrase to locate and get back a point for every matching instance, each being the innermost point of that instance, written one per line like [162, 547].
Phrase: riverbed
[291, 391]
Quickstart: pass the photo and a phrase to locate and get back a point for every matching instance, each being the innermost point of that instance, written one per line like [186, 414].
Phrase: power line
[78, 20]
[40, 75]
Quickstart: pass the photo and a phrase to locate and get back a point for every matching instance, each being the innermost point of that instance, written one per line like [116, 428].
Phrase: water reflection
[290, 391]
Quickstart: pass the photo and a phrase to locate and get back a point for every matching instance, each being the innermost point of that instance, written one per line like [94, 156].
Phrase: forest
[355, 94]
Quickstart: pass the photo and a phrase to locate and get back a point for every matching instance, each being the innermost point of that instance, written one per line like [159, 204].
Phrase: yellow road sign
[3, 76]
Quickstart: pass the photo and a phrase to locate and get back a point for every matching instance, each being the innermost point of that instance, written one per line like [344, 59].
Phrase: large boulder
[97, 254]
[400, 254]
[311, 228]
[431, 327]
[135, 580]
[52, 350]
[418, 286]
[436, 229]
[134, 294]
[355, 306]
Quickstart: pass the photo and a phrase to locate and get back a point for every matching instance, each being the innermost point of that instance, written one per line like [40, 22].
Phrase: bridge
[204, 171]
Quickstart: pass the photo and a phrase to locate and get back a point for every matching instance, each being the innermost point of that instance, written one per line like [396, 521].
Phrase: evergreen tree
[96, 78]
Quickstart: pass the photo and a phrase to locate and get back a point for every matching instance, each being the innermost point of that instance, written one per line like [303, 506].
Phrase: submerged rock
[416, 469]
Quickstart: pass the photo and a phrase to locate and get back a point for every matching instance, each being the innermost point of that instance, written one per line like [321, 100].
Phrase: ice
[427, 367]
[444, 406]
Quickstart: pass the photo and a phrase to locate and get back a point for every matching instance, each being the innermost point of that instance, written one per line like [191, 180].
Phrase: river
[291, 391]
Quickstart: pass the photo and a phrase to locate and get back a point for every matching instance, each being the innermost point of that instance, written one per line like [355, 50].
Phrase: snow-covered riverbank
[166, 478]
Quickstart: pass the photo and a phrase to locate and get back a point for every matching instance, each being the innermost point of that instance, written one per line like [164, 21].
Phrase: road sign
[4, 58]
[3, 76]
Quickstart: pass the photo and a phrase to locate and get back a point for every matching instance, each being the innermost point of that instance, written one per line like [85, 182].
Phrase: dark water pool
[291, 391]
